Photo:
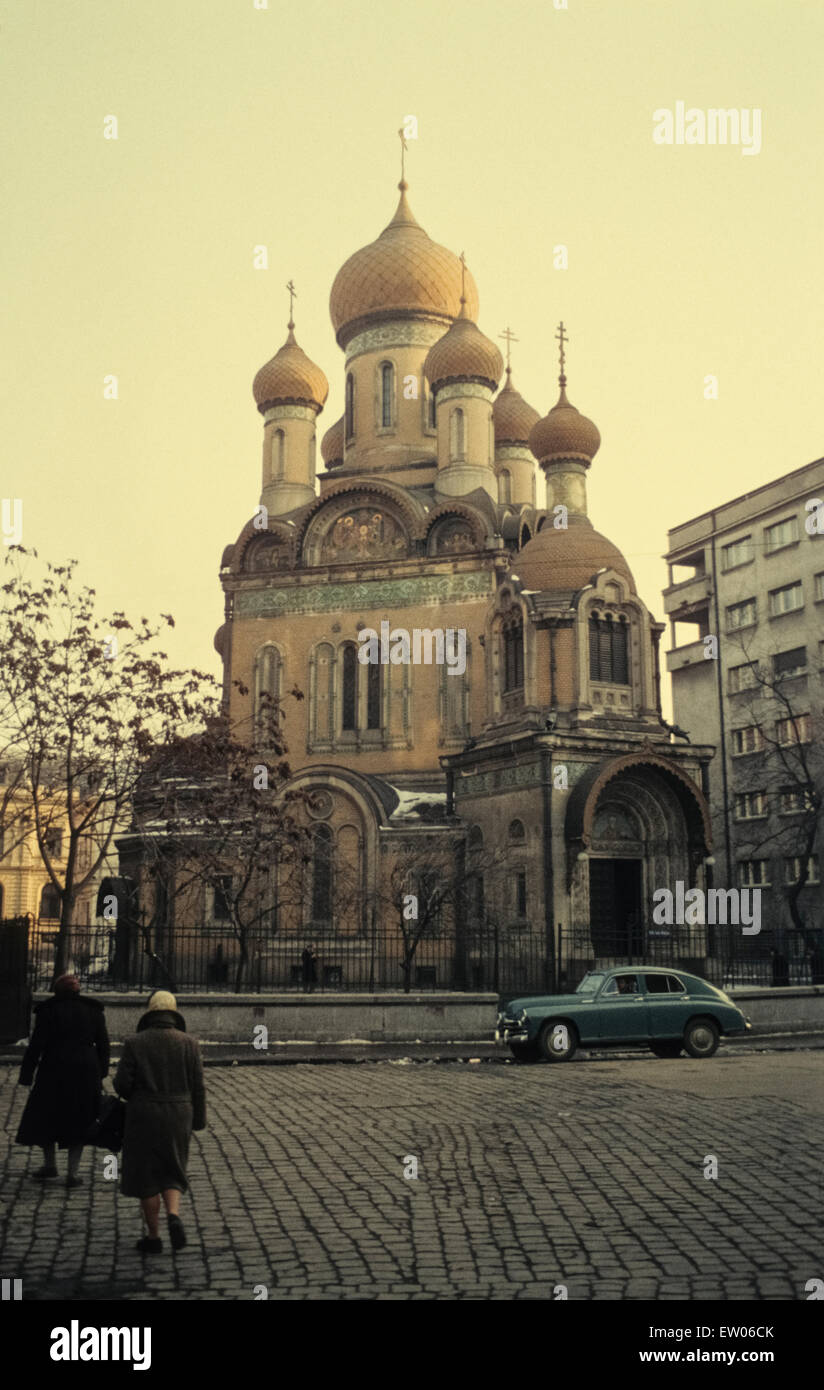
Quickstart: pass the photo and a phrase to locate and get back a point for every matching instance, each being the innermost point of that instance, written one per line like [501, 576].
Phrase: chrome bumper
[511, 1035]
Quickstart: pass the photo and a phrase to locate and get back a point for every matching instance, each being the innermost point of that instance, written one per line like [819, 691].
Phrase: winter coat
[161, 1077]
[69, 1049]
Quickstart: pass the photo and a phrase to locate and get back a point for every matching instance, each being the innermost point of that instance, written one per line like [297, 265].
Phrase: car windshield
[590, 983]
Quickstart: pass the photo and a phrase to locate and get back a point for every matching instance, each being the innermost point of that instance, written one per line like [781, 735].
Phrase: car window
[656, 984]
[590, 983]
[676, 986]
[619, 985]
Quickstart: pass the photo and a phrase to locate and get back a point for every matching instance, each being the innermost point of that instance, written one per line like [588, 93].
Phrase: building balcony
[690, 594]
[693, 654]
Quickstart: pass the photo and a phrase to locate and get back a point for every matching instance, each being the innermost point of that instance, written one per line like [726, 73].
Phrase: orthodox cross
[404, 148]
[510, 339]
[462, 259]
[562, 338]
[293, 294]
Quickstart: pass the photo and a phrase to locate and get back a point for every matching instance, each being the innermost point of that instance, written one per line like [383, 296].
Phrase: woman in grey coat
[161, 1077]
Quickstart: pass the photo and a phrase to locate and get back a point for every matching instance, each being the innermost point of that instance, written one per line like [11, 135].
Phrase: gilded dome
[401, 275]
[512, 416]
[464, 353]
[331, 446]
[564, 434]
[567, 559]
[290, 378]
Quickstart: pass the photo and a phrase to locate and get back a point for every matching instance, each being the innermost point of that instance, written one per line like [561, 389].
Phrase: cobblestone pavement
[589, 1175]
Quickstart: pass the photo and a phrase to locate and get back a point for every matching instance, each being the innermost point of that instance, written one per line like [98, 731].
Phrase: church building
[537, 769]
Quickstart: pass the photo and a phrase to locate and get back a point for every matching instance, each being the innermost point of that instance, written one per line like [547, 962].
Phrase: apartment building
[745, 604]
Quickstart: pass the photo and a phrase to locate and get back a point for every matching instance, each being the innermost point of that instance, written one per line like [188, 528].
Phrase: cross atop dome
[510, 338]
[562, 338]
[293, 294]
[403, 185]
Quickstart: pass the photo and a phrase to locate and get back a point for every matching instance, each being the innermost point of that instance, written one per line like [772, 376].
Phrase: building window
[267, 680]
[53, 841]
[608, 651]
[455, 702]
[513, 636]
[819, 587]
[517, 834]
[505, 486]
[50, 903]
[742, 677]
[741, 614]
[349, 411]
[787, 599]
[322, 875]
[520, 893]
[476, 900]
[750, 805]
[457, 435]
[221, 909]
[738, 552]
[373, 696]
[781, 534]
[748, 740]
[792, 869]
[278, 453]
[794, 800]
[432, 418]
[753, 873]
[349, 688]
[387, 395]
[792, 663]
[790, 731]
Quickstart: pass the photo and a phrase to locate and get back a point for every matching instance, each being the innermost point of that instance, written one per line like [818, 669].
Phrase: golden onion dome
[568, 559]
[512, 416]
[331, 446]
[290, 378]
[403, 274]
[464, 353]
[564, 434]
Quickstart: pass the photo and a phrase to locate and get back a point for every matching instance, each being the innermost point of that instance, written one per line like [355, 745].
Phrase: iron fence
[507, 961]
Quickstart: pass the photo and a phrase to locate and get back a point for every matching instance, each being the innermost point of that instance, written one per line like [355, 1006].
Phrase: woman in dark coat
[161, 1076]
[69, 1048]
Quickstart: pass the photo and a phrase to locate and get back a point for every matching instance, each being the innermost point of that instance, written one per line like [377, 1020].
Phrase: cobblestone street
[588, 1175]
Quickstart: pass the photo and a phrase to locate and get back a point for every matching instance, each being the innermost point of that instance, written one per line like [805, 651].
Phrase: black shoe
[177, 1235]
[44, 1174]
[148, 1246]
[72, 1181]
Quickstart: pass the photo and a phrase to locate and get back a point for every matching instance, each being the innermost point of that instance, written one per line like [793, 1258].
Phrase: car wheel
[667, 1049]
[558, 1041]
[701, 1037]
[524, 1053]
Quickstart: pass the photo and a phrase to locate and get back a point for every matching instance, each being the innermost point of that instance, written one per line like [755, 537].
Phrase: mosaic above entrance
[363, 534]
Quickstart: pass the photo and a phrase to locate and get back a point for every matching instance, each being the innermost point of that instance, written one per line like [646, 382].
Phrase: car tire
[524, 1053]
[548, 1039]
[701, 1037]
[667, 1049]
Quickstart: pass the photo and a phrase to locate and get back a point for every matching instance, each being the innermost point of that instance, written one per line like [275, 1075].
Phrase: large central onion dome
[404, 274]
[290, 378]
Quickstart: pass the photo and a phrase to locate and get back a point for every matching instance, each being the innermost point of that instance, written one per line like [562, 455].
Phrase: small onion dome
[568, 559]
[464, 353]
[331, 446]
[512, 416]
[564, 434]
[221, 638]
[290, 378]
[403, 274]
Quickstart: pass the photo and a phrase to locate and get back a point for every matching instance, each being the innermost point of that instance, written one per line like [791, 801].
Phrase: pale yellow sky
[240, 126]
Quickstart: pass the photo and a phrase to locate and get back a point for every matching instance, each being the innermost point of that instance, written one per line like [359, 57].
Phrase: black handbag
[107, 1130]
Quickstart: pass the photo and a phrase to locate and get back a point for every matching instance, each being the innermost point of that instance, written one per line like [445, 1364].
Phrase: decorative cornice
[363, 596]
[455, 390]
[289, 410]
[396, 334]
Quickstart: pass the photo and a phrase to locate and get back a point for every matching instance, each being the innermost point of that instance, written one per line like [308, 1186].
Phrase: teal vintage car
[663, 1007]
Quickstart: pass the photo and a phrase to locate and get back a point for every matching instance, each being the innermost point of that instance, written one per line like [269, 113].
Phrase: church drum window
[349, 411]
[278, 453]
[387, 393]
[609, 650]
[457, 441]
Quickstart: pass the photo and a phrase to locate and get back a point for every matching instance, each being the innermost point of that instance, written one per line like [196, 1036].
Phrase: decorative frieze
[378, 593]
[401, 334]
[289, 412]
[461, 389]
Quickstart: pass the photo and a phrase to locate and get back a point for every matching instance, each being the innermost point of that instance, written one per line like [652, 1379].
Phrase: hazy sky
[241, 126]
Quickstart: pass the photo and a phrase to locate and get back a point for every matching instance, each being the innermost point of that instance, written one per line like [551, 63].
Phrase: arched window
[349, 412]
[609, 650]
[349, 688]
[50, 903]
[513, 637]
[505, 485]
[278, 453]
[517, 834]
[321, 705]
[267, 688]
[475, 839]
[373, 696]
[432, 417]
[457, 434]
[322, 874]
[387, 395]
[455, 697]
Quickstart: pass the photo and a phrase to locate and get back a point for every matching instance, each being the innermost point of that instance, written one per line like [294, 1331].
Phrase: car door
[668, 1005]
[622, 1014]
